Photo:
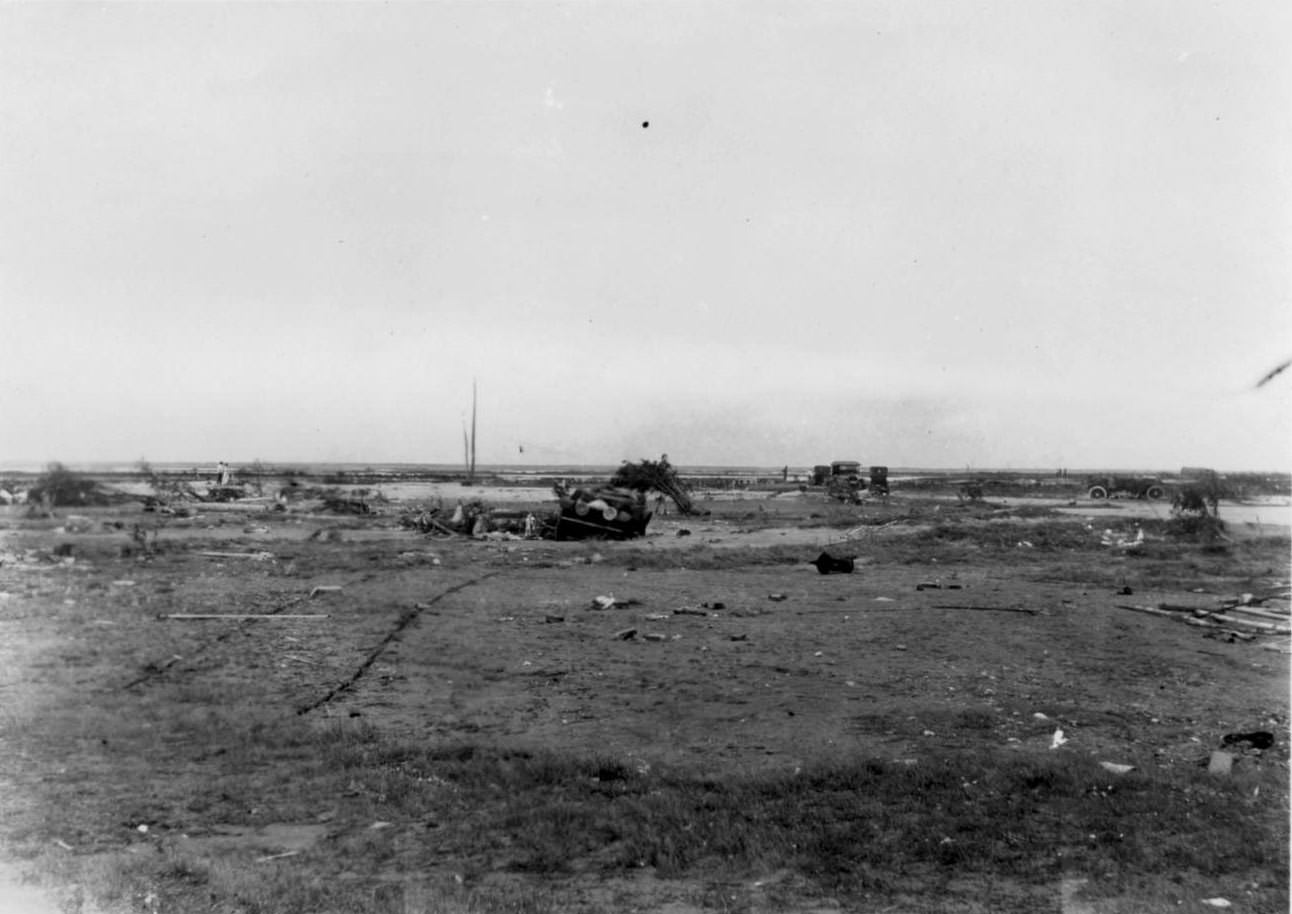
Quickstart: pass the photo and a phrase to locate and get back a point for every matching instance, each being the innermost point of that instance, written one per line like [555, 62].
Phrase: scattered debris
[1230, 613]
[689, 611]
[1121, 540]
[609, 602]
[1058, 739]
[655, 636]
[682, 531]
[626, 634]
[777, 597]
[77, 523]
[277, 856]
[324, 588]
[1218, 902]
[553, 618]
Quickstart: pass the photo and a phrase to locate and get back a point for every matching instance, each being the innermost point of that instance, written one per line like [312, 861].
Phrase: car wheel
[1097, 492]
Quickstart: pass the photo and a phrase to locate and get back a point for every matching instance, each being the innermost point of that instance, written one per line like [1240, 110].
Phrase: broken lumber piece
[1247, 610]
[241, 616]
[324, 588]
[256, 556]
[1166, 613]
[1253, 623]
[999, 609]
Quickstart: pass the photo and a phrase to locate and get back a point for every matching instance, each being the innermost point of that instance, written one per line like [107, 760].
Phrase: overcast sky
[1029, 234]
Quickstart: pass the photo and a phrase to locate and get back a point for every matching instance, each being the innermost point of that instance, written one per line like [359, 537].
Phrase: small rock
[626, 634]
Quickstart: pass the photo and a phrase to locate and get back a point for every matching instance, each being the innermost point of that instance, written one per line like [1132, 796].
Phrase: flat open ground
[456, 725]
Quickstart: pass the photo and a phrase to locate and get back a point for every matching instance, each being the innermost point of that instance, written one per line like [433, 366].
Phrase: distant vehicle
[844, 480]
[1149, 487]
[848, 469]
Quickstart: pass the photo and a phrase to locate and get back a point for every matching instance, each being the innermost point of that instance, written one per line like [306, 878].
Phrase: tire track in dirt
[406, 618]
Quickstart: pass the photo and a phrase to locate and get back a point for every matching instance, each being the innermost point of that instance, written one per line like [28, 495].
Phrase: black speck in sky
[645, 124]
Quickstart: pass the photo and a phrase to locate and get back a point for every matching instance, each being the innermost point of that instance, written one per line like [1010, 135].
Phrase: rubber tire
[1097, 492]
[1155, 493]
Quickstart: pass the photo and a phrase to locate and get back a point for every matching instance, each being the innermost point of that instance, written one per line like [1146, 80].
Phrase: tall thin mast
[472, 471]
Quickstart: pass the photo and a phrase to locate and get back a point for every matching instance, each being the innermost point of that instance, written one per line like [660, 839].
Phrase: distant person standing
[785, 474]
[222, 473]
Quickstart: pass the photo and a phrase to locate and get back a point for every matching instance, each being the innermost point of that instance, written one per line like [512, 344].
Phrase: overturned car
[605, 512]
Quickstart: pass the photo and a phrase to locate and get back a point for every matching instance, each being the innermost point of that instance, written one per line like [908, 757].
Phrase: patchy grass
[850, 828]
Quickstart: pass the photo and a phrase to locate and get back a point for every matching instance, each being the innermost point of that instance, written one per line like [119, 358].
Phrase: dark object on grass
[1257, 739]
[827, 564]
[683, 532]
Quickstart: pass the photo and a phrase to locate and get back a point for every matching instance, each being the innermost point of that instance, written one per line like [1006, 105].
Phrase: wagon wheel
[1098, 492]
[1157, 493]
